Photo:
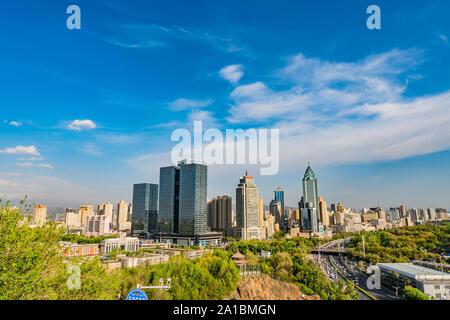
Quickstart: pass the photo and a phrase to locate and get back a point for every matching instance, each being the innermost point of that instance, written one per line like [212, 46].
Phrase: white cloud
[183, 104]
[79, 125]
[31, 150]
[249, 90]
[323, 86]
[232, 73]
[15, 123]
[31, 164]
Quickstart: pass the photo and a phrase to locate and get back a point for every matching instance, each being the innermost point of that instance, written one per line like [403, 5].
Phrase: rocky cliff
[263, 287]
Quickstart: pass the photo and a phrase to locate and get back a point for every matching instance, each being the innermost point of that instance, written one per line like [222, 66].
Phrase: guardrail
[358, 287]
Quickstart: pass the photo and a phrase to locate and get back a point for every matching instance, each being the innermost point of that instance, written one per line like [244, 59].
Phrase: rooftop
[415, 271]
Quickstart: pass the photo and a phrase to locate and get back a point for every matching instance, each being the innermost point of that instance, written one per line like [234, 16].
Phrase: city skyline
[90, 112]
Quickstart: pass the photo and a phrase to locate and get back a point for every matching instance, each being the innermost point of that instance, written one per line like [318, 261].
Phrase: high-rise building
[97, 225]
[106, 209]
[310, 189]
[431, 214]
[261, 213]
[122, 222]
[39, 214]
[309, 203]
[169, 197]
[339, 215]
[219, 213]
[402, 211]
[145, 208]
[277, 211]
[414, 214]
[279, 197]
[192, 205]
[85, 211]
[247, 203]
[323, 212]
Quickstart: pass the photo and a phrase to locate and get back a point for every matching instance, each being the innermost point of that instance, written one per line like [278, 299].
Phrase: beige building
[339, 215]
[261, 213]
[73, 220]
[85, 211]
[106, 209]
[123, 223]
[323, 212]
[39, 214]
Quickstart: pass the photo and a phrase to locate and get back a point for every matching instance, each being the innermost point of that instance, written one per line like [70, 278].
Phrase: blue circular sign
[137, 294]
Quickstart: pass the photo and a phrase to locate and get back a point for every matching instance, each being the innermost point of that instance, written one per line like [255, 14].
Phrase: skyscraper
[323, 212]
[169, 196]
[309, 203]
[247, 203]
[279, 197]
[193, 190]
[145, 208]
[276, 210]
[122, 222]
[310, 190]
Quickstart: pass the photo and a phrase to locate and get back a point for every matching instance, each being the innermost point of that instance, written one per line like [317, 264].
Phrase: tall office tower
[145, 208]
[310, 221]
[431, 214]
[247, 203]
[310, 190]
[402, 211]
[85, 211]
[277, 211]
[192, 205]
[279, 197]
[261, 213]
[323, 212]
[122, 222]
[219, 213]
[39, 214]
[169, 196]
[423, 215]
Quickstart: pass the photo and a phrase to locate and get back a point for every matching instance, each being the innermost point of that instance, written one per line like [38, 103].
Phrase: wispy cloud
[92, 149]
[232, 73]
[183, 104]
[322, 86]
[31, 150]
[31, 159]
[31, 164]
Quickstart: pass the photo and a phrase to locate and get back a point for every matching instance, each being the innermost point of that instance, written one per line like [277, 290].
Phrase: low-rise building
[431, 282]
[80, 250]
[123, 243]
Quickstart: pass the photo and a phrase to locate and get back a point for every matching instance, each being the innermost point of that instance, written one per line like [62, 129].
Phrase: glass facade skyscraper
[145, 208]
[169, 197]
[309, 204]
[310, 190]
[193, 206]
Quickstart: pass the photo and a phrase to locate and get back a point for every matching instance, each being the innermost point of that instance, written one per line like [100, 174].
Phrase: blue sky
[87, 113]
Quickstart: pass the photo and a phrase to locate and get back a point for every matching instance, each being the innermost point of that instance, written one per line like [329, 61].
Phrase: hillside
[263, 287]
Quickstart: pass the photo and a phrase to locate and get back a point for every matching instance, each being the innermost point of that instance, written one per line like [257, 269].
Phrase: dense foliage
[401, 244]
[33, 266]
[414, 294]
[289, 262]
